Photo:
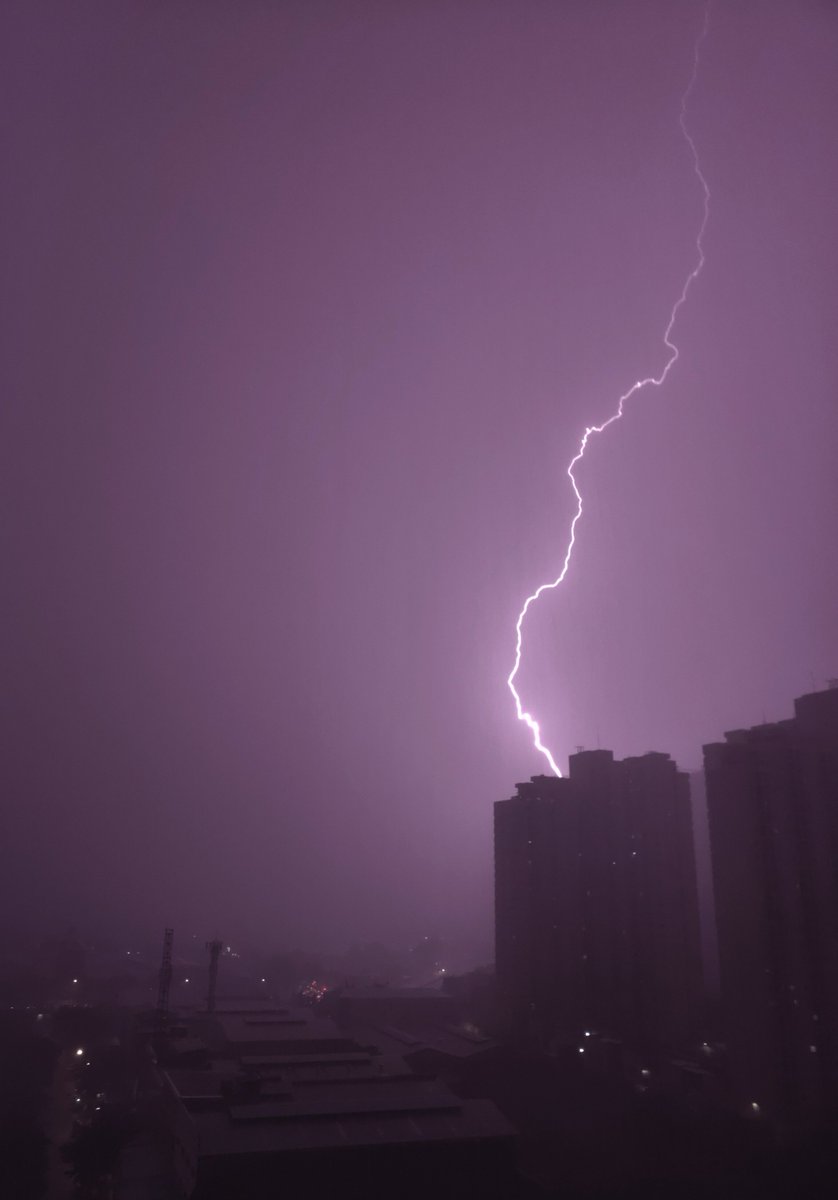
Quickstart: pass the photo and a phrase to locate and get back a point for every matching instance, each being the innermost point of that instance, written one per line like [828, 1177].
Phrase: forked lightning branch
[638, 386]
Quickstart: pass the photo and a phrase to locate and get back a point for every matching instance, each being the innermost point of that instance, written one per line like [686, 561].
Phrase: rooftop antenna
[215, 947]
[165, 979]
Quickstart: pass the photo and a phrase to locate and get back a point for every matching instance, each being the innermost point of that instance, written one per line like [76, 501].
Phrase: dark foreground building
[595, 903]
[772, 799]
[289, 1105]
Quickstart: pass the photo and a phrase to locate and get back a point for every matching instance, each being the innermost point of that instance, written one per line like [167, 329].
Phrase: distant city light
[75, 981]
[645, 1072]
[313, 991]
[186, 981]
[581, 1049]
[79, 1053]
[754, 1107]
[587, 1033]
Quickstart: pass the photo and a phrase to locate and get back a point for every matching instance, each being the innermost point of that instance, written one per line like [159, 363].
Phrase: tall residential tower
[772, 801]
[596, 904]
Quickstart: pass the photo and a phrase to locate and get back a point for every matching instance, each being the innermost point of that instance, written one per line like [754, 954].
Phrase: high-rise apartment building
[772, 800]
[595, 901]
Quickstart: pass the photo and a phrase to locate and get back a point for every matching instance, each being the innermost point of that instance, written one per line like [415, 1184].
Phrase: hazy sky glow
[306, 306]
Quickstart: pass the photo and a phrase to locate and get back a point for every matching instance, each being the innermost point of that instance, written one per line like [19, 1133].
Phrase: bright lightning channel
[656, 381]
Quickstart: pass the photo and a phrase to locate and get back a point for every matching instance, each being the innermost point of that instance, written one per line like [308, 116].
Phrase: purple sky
[306, 305]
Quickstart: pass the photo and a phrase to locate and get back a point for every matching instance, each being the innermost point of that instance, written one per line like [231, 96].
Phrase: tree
[93, 1153]
[27, 1061]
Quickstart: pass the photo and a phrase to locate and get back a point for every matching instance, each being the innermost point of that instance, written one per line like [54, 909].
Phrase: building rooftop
[263, 1031]
[411, 1119]
[451, 1040]
[197, 1084]
[328, 1058]
[394, 993]
[399, 1096]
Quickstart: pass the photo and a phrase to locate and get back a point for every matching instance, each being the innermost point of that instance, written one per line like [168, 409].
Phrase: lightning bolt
[655, 381]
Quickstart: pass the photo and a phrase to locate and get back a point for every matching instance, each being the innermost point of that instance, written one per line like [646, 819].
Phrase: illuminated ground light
[313, 991]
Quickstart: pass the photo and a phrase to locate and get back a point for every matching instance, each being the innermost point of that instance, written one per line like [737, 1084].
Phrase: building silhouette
[772, 799]
[595, 903]
[290, 1103]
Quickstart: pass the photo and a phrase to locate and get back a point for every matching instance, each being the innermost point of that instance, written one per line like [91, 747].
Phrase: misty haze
[308, 305]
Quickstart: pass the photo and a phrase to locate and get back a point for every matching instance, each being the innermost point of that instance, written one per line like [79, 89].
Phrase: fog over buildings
[306, 306]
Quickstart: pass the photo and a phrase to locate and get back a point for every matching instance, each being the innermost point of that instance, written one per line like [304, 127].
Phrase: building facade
[596, 904]
[772, 799]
